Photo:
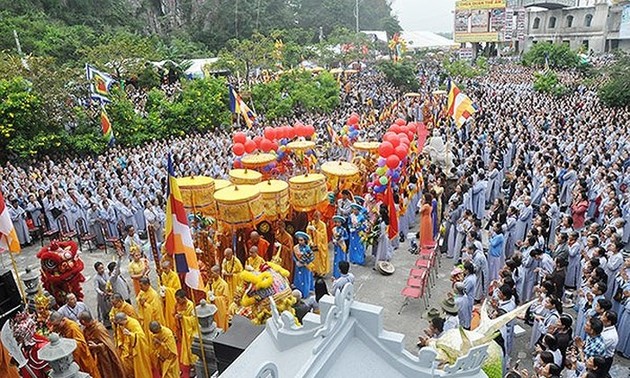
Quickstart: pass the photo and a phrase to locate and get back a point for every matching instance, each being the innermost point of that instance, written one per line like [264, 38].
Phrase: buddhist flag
[179, 242]
[100, 83]
[106, 125]
[238, 106]
[8, 238]
[459, 106]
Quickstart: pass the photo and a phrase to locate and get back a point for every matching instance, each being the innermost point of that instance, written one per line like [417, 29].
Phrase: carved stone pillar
[204, 342]
[58, 354]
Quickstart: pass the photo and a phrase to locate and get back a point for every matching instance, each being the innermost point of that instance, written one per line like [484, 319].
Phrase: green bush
[464, 69]
[614, 92]
[548, 82]
[402, 75]
[558, 56]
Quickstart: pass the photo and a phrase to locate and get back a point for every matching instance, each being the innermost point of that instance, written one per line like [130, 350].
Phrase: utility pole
[19, 50]
[236, 19]
[356, 14]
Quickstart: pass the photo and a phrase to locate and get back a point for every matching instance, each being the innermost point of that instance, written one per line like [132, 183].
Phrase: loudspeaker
[10, 298]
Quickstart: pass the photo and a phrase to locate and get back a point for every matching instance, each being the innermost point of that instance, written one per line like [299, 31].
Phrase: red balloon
[270, 133]
[274, 146]
[250, 146]
[291, 132]
[394, 128]
[385, 149]
[395, 141]
[389, 135]
[392, 162]
[410, 134]
[400, 151]
[239, 137]
[400, 122]
[353, 120]
[404, 129]
[310, 130]
[266, 145]
[281, 132]
[257, 140]
[238, 164]
[412, 126]
[238, 149]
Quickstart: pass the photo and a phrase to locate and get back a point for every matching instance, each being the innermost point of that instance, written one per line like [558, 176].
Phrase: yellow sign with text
[479, 4]
[477, 37]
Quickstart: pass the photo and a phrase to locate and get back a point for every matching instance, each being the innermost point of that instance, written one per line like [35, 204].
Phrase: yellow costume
[221, 291]
[134, 349]
[82, 356]
[319, 239]
[170, 282]
[286, 251]
[231, 268]
[165, 352]
[149, 308]
[255, 262]
[128, 310]
[187, 327]
[135, 269]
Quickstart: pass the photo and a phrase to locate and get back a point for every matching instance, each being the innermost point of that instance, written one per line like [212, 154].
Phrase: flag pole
[17, 272]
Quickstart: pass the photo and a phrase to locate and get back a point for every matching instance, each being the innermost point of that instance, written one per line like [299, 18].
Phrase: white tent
[196, 69]
[376, 35]
[426, 40]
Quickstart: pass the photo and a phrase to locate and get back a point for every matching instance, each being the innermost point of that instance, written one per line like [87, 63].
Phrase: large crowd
[536, 209]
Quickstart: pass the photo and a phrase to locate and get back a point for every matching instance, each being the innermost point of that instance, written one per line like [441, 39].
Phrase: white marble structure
[346, 340]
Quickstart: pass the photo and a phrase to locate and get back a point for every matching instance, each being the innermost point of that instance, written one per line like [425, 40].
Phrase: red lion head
[61, 270]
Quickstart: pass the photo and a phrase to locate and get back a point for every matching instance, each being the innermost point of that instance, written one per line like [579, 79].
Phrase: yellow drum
[239, 204]
[198, 193]
[307, 191]
[257, 160]
[301, 145]
[366, 146]
[245, 177]
[339, 169]
[220, 184]
[275, 198]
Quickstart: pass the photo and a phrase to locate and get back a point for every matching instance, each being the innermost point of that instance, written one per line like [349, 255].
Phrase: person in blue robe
[339, 238]
[356, 248]
[303, 255]
[496, 257]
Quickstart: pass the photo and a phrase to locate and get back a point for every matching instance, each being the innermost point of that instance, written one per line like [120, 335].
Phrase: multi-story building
[593, 25]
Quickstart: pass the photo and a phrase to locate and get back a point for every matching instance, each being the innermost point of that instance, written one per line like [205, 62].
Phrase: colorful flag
[8, 237]
[238, 106]
[100, 83]
[108, 132]
[332, 133]
[392, 230]
[179, 242]
[459, 106]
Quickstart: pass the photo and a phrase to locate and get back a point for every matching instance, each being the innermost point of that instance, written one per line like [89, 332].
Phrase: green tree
[614, 92]
[548, 82]
[557, 56]
[402, 75]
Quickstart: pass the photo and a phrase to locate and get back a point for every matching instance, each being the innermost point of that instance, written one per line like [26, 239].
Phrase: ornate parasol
[307, 191]
[198, 194]
[413, 94]
[339, 169]
[257, 160]
[366, 146]
[275, 198]
[245, 177]
[439, 92]
[220, 184]
[239, 204]
[301, 145]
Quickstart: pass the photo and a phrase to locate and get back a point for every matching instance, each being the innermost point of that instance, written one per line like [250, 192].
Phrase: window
[588, 20]
[552, 22]
[569, 21]
[585, 44]
[536, 23]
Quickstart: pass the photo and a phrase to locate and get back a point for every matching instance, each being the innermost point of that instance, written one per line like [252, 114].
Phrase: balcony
[550, 4]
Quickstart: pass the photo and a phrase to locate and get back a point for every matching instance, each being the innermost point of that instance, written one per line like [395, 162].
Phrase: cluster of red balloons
[269, 141]
[396, 142]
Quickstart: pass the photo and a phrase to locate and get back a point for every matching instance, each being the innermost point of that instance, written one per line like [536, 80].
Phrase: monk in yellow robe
[261, 244]
[170, 284]
[71, 330]
[101, 345]
[231, 267]
[218, 294]
[134, 348]
[187, 327]
[164, 350]
[149, 305]
[138, 267]
[286, 247]
[254, 260]
[316, 229]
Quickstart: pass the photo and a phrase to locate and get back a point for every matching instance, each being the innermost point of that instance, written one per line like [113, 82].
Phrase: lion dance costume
[62, 270]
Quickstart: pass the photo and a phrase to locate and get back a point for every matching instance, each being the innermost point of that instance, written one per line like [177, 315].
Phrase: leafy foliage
[402, 75]
[614, 92]
[295, 92]
[558, 56]
[464, 69]
[548, 82]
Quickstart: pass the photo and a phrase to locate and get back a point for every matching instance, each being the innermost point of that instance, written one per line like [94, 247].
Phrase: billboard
[624, 27]
[480, 20]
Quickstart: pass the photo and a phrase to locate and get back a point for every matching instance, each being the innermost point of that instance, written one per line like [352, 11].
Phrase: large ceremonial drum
[307, 191]
[198, 193]
[239, 204]
[275, 198]
[339, 169]
[257, 160]
[245, 177]
[366, 146]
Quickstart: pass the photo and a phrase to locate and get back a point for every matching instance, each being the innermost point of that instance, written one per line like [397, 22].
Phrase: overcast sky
[425, 15]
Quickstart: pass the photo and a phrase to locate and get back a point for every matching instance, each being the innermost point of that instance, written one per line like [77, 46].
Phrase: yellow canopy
[245, 176]
[413, 94]
[339, 168]
[197, 193]
[306, 192]
[257, 160]
[439, 92]
[366, 146]
[238, 204]
[275, 197]
[301, 145]
[220, 184]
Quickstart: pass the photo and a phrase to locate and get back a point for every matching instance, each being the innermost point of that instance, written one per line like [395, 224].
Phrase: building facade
[592, 26]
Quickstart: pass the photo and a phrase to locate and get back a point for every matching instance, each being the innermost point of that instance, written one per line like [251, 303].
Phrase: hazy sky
[425, 15]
